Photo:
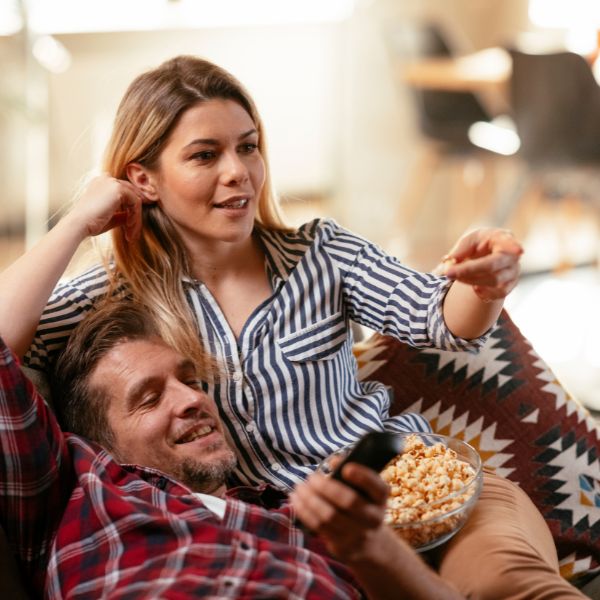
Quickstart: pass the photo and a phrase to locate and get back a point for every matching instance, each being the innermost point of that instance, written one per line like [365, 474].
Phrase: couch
[505, 402]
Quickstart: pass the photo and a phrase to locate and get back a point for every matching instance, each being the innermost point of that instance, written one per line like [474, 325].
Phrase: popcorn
[426, 483]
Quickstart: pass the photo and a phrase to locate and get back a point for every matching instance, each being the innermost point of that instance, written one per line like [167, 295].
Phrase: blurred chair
[555, 102]
[444, 118]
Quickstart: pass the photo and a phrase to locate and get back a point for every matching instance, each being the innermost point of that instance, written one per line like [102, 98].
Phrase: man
[144, 510]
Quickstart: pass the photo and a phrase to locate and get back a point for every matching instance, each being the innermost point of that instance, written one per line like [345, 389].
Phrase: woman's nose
[234, 169]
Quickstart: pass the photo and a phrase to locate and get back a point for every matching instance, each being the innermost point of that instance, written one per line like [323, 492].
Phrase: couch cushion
[506, 402]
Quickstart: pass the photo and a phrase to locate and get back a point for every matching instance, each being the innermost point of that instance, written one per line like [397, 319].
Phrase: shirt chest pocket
[317, 341]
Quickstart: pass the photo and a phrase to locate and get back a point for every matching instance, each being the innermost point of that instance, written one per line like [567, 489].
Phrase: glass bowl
[431, 497]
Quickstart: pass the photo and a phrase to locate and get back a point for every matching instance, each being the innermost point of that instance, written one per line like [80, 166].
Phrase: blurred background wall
[343, 133]
[339, 123]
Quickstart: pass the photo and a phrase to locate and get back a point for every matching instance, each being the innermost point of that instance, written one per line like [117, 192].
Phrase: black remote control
[374, 450]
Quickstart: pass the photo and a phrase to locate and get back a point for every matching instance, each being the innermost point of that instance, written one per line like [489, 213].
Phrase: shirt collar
[263, 495]
[282, 250]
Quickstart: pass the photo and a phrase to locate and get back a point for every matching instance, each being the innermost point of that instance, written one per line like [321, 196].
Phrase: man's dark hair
[82, 409]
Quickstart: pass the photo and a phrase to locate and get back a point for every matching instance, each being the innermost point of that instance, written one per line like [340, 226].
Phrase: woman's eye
[248, 148]
[204, 155]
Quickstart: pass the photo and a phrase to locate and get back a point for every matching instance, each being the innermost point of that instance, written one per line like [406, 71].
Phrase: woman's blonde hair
[154, 265]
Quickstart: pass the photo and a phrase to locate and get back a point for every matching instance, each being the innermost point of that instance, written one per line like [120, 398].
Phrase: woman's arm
[485, 267]
[352, 527]
[27, 284]
[393, 299]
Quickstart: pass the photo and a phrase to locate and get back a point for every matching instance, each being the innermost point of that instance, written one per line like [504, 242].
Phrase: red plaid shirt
[83, 526]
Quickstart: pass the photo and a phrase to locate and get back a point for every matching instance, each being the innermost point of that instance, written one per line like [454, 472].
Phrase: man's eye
[248, 148]
[149, 401]
[194, 383]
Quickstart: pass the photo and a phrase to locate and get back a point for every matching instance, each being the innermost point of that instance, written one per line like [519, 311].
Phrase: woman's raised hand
[26, 285]
[106, 202]
[487, 259]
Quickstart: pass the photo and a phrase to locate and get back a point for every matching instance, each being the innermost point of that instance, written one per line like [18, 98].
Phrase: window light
[78, 16]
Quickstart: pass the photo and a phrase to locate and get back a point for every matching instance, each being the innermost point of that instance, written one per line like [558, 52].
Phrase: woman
[265, 309]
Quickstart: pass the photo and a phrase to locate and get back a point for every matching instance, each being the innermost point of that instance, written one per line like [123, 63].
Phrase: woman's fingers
[488, 260]
[118, 219]
[107, 202]
[493, 286]
[482, 242]
[132, 204]
[493, 269]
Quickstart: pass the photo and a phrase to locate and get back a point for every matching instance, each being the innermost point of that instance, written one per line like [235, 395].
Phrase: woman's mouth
[236, 203]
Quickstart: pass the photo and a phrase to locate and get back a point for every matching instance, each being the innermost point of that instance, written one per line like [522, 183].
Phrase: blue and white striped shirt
[288, 394]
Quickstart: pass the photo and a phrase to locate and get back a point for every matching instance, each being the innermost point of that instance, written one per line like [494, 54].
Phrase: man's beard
[206, 477]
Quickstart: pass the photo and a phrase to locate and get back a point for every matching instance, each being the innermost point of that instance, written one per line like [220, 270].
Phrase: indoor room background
[341, 102]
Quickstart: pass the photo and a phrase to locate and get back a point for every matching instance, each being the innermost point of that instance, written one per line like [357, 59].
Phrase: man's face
[160, 417]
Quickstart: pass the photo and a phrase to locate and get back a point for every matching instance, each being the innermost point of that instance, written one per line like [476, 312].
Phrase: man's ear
[143, 180]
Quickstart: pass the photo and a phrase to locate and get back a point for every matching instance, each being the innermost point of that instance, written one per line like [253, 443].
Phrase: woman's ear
[143, 180]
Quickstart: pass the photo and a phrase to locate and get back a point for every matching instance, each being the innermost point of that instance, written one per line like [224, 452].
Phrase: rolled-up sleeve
[391, 298]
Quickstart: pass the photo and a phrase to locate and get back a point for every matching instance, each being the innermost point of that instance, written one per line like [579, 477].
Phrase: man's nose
[188, 400]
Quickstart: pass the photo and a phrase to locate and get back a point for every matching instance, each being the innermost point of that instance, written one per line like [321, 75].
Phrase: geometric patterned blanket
[507, 403]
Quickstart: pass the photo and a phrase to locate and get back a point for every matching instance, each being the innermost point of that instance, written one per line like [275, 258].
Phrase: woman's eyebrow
[248, 133]
[205, 141]
[214, 142]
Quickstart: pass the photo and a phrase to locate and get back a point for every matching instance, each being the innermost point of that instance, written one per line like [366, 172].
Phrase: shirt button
[275, 467]
[237, 376]
[250, 427]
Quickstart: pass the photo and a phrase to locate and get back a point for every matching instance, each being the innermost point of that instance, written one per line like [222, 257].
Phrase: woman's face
[211, 174]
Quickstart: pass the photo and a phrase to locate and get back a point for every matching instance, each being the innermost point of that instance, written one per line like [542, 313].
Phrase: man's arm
[35, 470]
[352, 527]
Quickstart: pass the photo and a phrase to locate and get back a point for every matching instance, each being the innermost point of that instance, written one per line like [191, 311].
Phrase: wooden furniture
[555, 102]
[450, 94]
[477, 71]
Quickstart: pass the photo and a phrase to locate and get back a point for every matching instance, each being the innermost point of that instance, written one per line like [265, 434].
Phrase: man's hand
[349, 522]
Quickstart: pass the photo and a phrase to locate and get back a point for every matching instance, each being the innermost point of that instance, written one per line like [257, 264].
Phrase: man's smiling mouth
[195, 434]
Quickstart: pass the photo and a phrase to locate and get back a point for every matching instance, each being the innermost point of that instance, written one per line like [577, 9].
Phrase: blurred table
[486, 73]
